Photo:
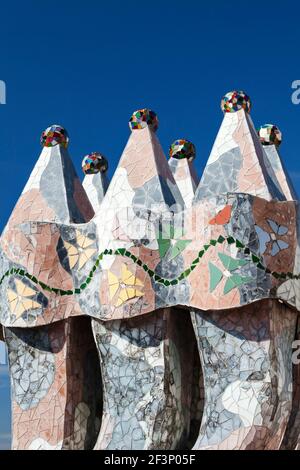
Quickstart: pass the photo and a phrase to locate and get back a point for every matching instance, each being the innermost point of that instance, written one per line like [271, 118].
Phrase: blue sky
[89, 65]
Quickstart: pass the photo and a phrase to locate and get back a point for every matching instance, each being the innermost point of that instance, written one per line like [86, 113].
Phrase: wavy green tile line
[156, 278]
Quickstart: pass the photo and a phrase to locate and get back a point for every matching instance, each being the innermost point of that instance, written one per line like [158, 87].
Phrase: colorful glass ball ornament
[269, 135]
[55, 135]
[143, 118]
[94, 163]
[234, 101]
[182, 148]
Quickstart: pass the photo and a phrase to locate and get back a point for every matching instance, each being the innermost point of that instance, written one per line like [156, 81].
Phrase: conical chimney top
[236, 163]
[95, 183]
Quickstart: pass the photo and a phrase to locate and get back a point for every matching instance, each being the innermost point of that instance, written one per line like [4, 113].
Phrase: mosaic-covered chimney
[95, 183]
[182, 153]
[155, 311]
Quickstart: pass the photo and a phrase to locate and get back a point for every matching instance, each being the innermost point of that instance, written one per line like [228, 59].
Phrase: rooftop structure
[157, 311]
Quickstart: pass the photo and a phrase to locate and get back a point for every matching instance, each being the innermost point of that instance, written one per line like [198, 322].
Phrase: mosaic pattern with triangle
[158, 310]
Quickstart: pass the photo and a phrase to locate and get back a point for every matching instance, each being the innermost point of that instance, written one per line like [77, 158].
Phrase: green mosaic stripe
[166, 282]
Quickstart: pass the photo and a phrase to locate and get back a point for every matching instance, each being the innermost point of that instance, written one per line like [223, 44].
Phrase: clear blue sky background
[88, 65]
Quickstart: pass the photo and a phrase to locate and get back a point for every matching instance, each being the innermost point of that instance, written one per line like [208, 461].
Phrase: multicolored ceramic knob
[182, 148]
[269, 135]
[94, 163]
[143, 118]
[55, 135]
[234, 101]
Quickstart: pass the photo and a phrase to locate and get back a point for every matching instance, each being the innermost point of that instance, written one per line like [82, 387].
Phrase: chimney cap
[234, 101]
[94, 163]
[143, 118]
[269, 134]
[182, 148]
[54, 135]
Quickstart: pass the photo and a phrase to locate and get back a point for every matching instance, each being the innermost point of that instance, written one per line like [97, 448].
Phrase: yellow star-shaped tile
[19, 300]
[126, 288]
[81, 253]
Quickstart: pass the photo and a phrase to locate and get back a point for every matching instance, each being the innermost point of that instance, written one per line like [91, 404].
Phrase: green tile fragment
[178, 248]
[261, 266]
[215, 276]
[230, 263]
[42, 284]
[229, 285]
[255, 259]
[235, 281]
[163, 246]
